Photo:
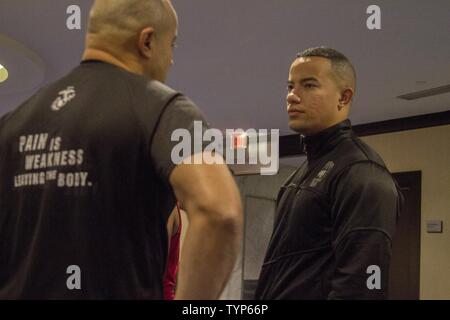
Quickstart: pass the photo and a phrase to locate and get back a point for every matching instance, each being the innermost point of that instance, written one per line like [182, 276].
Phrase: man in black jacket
[337, 213]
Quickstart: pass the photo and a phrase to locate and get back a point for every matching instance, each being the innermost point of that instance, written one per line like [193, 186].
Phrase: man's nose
[292, 98]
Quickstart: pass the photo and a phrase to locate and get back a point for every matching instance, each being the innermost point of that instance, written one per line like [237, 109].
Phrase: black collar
[319, 143]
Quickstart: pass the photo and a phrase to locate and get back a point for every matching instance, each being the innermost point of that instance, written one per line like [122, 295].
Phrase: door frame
[412, 180]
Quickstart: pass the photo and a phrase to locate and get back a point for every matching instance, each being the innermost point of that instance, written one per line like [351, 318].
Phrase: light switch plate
[434, 226]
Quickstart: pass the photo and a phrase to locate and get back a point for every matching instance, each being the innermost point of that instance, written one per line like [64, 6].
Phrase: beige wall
[427, 150]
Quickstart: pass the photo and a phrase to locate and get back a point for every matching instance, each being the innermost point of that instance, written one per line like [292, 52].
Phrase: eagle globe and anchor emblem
[65, 96]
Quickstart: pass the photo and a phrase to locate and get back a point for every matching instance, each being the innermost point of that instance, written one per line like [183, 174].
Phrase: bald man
[87, 180]
[337, 213]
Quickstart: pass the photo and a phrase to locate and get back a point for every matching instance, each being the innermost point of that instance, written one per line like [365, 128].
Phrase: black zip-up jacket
[335, 219]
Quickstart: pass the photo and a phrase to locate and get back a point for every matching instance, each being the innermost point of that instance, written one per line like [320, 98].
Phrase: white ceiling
[233, 55]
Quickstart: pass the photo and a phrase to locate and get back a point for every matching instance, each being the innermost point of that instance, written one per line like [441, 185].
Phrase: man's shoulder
[116, 78]
[361, 165]
[143, 88]
[353, 159]
[353, 150]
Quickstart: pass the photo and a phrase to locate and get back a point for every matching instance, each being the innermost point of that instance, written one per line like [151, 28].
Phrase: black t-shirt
[85, 193]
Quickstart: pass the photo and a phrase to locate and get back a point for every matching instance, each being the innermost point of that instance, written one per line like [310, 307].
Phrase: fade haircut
[343, 70]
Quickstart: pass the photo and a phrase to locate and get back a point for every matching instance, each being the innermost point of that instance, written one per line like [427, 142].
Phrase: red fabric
[170, 277]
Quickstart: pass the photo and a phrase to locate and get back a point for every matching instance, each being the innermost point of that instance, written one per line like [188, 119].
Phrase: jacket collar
[316, 145]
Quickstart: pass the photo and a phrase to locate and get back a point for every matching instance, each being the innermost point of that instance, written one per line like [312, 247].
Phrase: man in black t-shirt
[87, 179]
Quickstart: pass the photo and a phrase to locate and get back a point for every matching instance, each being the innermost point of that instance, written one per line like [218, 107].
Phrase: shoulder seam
[163, 110]
[355, 142]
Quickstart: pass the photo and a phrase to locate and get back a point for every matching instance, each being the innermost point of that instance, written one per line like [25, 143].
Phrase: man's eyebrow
[308, 79]
[304, 80]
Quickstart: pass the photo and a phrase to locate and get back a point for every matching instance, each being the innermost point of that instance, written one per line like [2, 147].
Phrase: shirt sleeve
[365, 207]
[181, 113]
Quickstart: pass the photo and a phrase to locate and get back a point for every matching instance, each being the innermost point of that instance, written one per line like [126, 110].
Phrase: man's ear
[145, 42]
[345, 98]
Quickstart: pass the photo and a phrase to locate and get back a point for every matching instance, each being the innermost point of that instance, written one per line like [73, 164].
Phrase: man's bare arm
[213, 205]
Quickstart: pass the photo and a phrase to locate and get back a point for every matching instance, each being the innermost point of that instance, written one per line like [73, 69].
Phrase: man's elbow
[228, 215]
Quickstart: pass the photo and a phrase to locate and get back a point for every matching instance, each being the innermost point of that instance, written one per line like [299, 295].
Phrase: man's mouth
[294, 112]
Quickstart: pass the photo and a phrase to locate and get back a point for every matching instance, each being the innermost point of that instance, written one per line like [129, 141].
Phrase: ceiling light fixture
[425, 93]
[3, 74]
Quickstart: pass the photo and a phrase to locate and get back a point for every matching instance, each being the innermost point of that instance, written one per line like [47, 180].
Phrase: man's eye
[310, 85]
[290, 88]
[174, 45]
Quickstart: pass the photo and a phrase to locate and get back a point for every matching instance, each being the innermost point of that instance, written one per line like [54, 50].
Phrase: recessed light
[3, 74]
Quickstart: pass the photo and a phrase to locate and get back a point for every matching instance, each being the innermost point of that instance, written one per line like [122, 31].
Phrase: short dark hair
[341, 65]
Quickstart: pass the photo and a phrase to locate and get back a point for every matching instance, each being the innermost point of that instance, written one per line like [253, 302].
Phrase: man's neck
[324, 128]
[101, 55]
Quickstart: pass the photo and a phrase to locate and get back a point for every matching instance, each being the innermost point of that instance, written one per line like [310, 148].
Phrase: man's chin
[297, 127]
[303, 130]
